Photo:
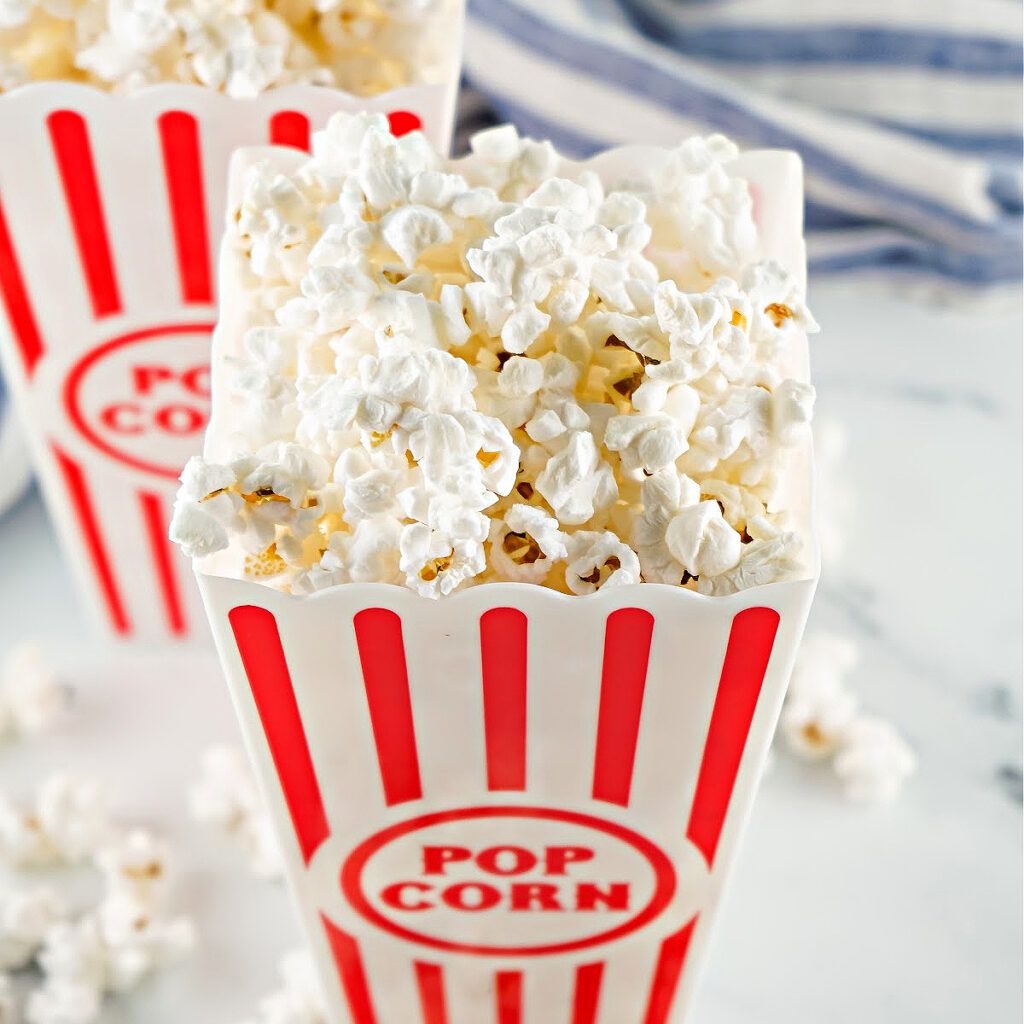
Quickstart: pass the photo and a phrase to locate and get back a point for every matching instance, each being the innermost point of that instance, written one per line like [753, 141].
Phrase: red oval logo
[508, 881]
[144, 398]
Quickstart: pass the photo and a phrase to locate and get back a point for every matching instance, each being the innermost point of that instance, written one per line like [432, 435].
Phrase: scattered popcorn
[821, 720]
[242, 47]
[135, 863]
[73, 963]
[819, 707]
[32, 697]
[136, 941]
[299, 1001]
[458, 372]
[226, 797]
[110, 948]
[874, 762]
[67, 826]
[72, 813]
[26, 916]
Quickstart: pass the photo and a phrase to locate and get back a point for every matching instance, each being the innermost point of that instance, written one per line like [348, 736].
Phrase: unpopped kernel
[240, 47]
[502, 368]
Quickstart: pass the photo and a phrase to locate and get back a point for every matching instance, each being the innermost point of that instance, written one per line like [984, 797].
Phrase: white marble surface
[903, 915]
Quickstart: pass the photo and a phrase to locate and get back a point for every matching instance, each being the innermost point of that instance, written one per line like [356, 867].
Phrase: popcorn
[874, 761]
[702, 542]
[819, 709]
[137, 942]
[525, 545]
[821, 720]
[32, 698]
[576, 482]
[26, 916]
[300, 1000]
[241, 49]
[67, 826]
[74, 1002]
[599, 560]
[72, 813]
[225, 797]
[136, 864]
[500, 369]
[111, 948]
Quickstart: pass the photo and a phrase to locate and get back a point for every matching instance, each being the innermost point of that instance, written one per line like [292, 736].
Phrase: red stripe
[71, 147]
[290, 128]
[509, 992]
[74, 480]
[588, 992]
[259, 645]
[746, 661]
[382, 655]
[503, 656]
[627, 647]
[430, 980]
[160, 548]
[352, 974]
[16, 301]
[671, 961]
[183, 168]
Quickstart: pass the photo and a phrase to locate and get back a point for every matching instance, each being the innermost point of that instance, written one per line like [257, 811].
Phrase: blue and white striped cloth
[907, 112]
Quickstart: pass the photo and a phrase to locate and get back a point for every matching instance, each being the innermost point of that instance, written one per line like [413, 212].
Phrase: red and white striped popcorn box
[512, 806]
[111, 208]
[509, 806]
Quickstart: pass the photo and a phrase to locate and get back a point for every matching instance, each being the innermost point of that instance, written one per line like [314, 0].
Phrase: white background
[902, 915]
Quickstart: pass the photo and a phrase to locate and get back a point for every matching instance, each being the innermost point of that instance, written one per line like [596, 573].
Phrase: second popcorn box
[504, 529]
[113, 171]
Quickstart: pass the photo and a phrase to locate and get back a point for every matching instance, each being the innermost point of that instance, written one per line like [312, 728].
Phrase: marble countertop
[908, 914]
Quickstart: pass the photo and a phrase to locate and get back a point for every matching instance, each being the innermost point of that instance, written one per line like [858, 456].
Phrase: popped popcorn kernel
[33, 698]
[822, 721]
[225, 797]
[504, 368]
[241, 49]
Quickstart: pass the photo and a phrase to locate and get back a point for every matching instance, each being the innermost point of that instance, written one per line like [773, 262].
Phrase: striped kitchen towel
[907, 113]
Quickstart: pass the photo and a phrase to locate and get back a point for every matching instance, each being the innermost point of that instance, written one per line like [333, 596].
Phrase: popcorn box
[110, 209]
[511, 805]
[508, 805]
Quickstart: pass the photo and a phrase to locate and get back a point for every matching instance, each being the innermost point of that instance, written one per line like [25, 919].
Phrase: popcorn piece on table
[299, 1000]
[26, 916]
[73, 963]
[821, 720]
[819, 708]
[241, 49]
[135, 864]
[68, 824]
[226, 797]
[111, 948]
[874, 761]
[500, 368]
[32, 697]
